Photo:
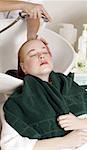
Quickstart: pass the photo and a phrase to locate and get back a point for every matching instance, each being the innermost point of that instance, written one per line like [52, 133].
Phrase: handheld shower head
[23, 15]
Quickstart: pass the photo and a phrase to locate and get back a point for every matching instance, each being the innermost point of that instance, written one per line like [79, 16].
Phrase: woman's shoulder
[60, 75]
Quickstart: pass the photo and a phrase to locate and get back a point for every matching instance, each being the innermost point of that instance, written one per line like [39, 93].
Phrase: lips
[44, 63]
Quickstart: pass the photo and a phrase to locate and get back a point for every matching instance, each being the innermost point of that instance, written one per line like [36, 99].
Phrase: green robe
[32, 110]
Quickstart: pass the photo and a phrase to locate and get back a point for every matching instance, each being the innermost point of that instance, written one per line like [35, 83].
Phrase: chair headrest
[12, 72]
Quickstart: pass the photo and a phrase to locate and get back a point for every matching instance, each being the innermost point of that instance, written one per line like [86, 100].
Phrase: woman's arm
[68, 141]
[13, 5]
[8, 141]
[32, 28]
[34, 10]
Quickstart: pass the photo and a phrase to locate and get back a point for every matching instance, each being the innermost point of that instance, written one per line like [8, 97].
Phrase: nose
[41, 56]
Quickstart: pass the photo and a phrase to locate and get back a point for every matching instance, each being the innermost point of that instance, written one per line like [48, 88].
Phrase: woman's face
[36, 59]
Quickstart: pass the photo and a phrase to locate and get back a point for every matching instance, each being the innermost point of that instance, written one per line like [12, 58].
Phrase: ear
[23, 67]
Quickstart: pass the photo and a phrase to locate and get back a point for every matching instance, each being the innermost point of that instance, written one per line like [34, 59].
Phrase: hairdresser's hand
[70, 122]
[35, 11]
[75, 139]
[42, 39]
[46, 44]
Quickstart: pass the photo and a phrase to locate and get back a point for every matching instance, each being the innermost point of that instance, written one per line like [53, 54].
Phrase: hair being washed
[20, 72]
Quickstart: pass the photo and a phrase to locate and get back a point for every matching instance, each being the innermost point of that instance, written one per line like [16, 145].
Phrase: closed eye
[33, 55]
[43, 47]
[45, 52]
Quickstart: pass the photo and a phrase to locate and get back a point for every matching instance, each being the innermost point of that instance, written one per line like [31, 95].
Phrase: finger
[44, 18]
[46, 15]
[67, 128]
[46, 44]
[62, 117]
[43, 40]
[39, 14]
[49, 50]
[31, 15]
[64, 126]
[64, 121]
[35, 15]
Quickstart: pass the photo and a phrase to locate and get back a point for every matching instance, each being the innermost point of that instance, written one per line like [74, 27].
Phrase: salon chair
[11, 40]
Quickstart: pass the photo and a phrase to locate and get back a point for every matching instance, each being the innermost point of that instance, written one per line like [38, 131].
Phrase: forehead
[34, 44]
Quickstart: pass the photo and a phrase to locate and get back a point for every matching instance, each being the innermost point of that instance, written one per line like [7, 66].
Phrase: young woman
[45, 96]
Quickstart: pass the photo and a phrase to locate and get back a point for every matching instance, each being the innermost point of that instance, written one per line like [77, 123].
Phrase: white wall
[67, 11]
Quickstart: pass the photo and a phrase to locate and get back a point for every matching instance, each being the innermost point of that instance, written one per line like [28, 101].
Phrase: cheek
[50, 61]
[49, 58]
[31, 65]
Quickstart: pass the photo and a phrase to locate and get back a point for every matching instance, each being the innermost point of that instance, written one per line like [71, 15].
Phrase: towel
[33, 108]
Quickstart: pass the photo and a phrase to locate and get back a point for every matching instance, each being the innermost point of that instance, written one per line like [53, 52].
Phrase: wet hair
[21, 74]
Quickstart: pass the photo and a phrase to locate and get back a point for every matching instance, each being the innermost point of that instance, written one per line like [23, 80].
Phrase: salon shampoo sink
[10, 41]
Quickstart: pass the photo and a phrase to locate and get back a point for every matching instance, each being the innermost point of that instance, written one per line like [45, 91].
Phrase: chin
[46, 70]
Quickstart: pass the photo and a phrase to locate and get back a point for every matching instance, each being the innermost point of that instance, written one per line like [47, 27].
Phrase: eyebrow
[30, 51]
[33, 50]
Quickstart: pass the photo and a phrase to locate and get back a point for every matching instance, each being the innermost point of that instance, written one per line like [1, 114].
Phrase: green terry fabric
[32, 110]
